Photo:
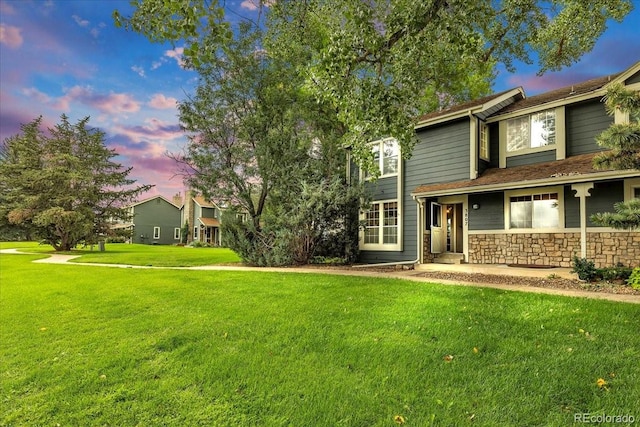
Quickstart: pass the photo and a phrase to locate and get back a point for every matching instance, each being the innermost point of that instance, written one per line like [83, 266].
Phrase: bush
[619, 272]
[585, 268]
[634, 279]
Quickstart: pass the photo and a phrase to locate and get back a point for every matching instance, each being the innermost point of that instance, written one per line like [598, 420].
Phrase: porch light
[475, 206]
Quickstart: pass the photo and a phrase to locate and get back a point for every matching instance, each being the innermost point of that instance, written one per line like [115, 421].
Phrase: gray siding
[490, 215]
[571, 208]
[603, 196]
[155, 213]
[441, 155]
[530, 159]
[584, 122]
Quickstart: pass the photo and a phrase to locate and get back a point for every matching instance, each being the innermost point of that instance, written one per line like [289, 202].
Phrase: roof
[566, 92]
[209, 222]
[150, 199]
[475, 106]
[203, 202]
[572, 169]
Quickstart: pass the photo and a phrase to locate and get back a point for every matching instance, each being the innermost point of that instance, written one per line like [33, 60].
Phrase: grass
[83, 345]
[136, 254]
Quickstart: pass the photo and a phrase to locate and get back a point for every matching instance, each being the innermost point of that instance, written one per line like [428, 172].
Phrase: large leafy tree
[623, 143]
[381, 63]
[62, 185]
[259, 143]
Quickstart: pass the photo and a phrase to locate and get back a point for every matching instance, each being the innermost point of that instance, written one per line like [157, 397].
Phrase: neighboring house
[154, 221]
[506, 179]
[203, 218]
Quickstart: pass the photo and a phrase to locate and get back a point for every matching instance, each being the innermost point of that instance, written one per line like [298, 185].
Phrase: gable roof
[573, 169]
[592, 86]
[150, 199]
[482, 107]
[204, 203]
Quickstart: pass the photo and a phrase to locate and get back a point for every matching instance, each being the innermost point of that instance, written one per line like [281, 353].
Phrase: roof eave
[565, 179]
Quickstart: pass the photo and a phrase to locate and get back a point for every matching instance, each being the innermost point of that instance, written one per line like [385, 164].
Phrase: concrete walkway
[413, 275]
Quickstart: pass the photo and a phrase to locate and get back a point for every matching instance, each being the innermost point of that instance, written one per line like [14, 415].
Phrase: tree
[63, 186]
[380, 64]
[257, 142]
[623, 142]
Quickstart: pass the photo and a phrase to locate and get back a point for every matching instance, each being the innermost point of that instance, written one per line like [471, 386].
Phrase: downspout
[418, 245]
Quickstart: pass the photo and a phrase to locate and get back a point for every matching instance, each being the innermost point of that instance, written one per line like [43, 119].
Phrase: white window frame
[195, 232]
[531, 192]
[156, 233]
[381, 158]
[529, 148]
[380, 246]
[177, 233]
[484, 142]
[630, 186]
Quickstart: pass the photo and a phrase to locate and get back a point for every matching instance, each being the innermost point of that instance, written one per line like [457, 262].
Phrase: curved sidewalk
[413, 275]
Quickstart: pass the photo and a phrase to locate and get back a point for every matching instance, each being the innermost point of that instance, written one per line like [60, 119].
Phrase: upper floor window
[484, 141]
[385, 156]
[532, 131]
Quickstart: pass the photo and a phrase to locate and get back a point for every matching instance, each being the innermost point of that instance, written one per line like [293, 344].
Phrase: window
[176, 234]
[156, 232]
[534, 211]
[195, 233]
[533, 131]
[484, 141]
[381, 224]
[385, 156]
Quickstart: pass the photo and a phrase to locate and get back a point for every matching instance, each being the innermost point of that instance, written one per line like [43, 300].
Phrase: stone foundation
[428, 257]
[555, 249]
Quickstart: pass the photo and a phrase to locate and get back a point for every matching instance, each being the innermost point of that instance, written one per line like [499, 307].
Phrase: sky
[66, 57]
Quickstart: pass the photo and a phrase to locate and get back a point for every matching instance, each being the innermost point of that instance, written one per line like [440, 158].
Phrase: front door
[454, 227]
[437, 231]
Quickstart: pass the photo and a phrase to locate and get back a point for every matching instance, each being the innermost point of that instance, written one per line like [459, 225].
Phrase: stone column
[582, 191]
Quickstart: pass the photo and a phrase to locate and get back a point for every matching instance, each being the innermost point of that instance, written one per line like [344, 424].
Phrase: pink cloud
[6, 8]
[256, 4]
[176, 54]
[152, 130]
[161, 102]
[113, 103]
[10, 36]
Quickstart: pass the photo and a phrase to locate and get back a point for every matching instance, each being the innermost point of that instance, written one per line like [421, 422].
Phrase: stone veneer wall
[556, 249]
[427, 256]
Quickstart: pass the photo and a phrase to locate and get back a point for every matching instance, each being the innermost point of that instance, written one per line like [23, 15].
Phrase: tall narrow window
[176, 233]
[195, 233]
[156, 232]
[372, 225]
[484, 141]
[390, 228]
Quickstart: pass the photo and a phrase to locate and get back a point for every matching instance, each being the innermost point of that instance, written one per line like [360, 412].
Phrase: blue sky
[66, 56]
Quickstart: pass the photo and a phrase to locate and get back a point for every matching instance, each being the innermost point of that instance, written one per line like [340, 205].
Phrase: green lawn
[89, 346]
[136, 254]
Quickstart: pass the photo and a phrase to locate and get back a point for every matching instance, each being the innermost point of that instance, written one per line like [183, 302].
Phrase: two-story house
[203, 218]
[506, 179]
[154, 221]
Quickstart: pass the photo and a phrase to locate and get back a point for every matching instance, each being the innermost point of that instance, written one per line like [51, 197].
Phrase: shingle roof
[558, 94]
[209, 222]
[203, 202]
[573, 166]
[462, 107]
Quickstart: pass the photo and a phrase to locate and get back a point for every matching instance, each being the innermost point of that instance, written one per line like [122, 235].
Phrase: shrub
[585, 268]
[634, 279]
[619, 272]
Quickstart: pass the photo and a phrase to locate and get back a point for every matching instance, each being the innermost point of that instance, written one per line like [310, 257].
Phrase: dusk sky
[65, 56]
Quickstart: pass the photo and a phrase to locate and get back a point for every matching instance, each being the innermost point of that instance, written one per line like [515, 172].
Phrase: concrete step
[449, 258]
